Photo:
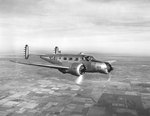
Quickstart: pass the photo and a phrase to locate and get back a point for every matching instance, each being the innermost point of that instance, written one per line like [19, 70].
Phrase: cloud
[76, 15]
[93, 23]
[107, 12]
[109, 1]
[16, 6]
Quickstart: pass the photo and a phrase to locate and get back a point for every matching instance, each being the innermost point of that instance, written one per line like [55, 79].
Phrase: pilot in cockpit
[89, 58]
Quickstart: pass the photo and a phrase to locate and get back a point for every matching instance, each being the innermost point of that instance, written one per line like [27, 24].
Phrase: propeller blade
[111, 61]
[79, 80]
[109, 77]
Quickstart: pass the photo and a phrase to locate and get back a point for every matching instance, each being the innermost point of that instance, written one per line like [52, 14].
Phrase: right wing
[41, 65]
[111, 61]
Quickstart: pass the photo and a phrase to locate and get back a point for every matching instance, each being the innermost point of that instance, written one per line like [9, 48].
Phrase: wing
[111, 61]
[41, 65]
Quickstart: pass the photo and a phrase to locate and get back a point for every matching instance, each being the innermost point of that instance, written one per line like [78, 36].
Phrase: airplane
[75, 64]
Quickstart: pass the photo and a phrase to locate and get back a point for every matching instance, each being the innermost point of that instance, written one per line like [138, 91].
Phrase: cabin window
[76, 59]
[65, 58]
[70, 58]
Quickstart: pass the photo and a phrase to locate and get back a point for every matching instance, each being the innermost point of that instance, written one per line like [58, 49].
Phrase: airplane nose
[105, 67]
[109, 67]
[102, 67]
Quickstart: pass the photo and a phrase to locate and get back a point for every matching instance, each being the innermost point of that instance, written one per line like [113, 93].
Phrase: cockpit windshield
[89, 58]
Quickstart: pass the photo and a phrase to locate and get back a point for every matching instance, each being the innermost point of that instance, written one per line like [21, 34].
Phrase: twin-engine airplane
[75, 64]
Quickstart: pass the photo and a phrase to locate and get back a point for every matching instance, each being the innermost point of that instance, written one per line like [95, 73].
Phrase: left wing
[41, 65]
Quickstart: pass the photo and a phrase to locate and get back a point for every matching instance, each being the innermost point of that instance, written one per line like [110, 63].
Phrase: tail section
[26, 52]
[56, 50]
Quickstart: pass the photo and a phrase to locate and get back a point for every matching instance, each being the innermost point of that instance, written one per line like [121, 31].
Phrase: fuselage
[90, 63]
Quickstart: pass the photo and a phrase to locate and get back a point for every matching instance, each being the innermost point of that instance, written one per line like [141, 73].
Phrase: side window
[70, 58]
[76, 59]
[65, 58]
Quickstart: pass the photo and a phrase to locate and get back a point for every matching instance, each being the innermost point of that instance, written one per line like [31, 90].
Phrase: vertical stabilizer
[26, 52]
[56, 50]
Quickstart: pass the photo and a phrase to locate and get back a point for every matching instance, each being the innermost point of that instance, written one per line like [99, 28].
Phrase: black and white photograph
[74, 57]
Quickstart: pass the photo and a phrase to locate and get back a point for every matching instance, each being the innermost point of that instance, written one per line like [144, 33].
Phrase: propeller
[109, 77]
[79, 80]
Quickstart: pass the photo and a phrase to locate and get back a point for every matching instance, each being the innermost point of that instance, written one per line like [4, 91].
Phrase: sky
[102, 26]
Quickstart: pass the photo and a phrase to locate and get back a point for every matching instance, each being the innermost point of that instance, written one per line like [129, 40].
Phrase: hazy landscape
[35, 91]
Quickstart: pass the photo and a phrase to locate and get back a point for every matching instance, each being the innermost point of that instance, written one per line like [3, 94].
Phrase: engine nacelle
[77, 69]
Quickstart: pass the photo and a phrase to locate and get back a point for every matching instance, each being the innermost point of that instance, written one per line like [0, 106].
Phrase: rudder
[26, 52]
